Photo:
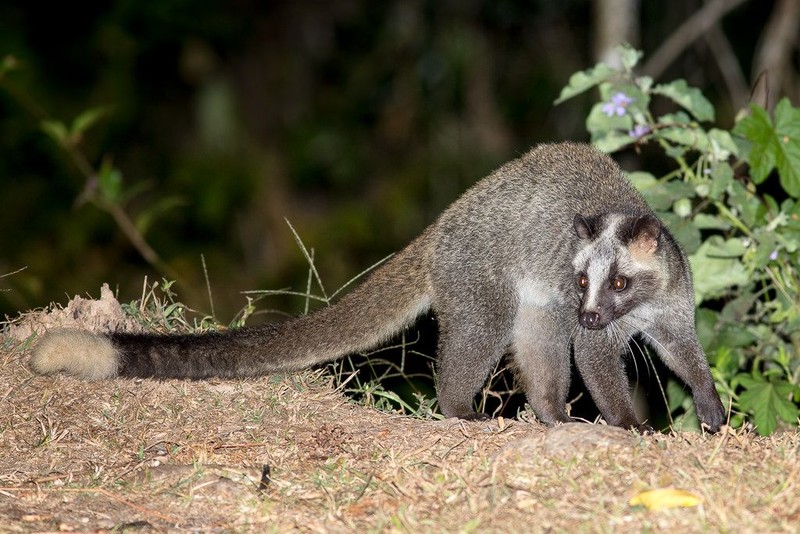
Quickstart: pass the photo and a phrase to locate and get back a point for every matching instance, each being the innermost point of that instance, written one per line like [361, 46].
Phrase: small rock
[569, 440]
[572, 438]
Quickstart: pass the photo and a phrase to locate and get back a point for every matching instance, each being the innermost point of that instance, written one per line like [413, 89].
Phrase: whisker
[658, 378]
[642, 351]
[661, 389]
[634, 340]
[575, 328]
[624, 340]
[659, 345]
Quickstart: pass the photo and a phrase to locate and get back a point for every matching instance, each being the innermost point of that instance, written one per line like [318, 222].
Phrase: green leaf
[56, 130]
[683, 230]
[706, 328]
[694, 138]
[681, 406]
[585, 80]
[671, 119]
[722, 145]
[642, 180]
[745, 202]
[787, 128]
[716, 269]
[774, 147]
[787, 119]
[770, 204]
[644, 83]
[726, 361]
[792, 210]
[612, 141]
[109, 181]
[767, 244]
[729, 248]
[737, 309]
[757, 128]
[767, 401]
[677, 396]
[734, 336]
[146, 219]
[704, 221]
[87, 119]
[8, 64]
[663, 195]
[628, 55]
[721, 178]
[690, 98]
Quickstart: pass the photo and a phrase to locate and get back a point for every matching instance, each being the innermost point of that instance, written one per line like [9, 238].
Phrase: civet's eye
[583, 281]
[619, 283]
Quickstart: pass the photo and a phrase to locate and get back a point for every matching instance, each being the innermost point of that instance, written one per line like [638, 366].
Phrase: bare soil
[291, 453]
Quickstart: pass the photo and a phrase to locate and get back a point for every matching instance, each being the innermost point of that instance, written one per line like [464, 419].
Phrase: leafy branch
[103, 185]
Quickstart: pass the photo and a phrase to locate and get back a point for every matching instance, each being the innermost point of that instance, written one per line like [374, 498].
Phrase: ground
[292, 453]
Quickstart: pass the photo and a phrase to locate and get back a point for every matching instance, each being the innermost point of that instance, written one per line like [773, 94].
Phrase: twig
[13, 272]
[686, 34]
[246, 445]
[454, 447]
[136, 238]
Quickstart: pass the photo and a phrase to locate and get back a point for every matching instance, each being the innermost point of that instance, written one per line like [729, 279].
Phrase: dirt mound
[103, 315]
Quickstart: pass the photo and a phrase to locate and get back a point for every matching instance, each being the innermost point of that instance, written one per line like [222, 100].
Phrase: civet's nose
[590, 319]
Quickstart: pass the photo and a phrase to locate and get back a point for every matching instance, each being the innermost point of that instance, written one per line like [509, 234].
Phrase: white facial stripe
[596, 260]
[610, 231]
[597, 272]
[606, 239]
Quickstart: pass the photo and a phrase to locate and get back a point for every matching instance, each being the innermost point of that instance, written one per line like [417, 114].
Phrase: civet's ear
[585, 227]
[644, 233]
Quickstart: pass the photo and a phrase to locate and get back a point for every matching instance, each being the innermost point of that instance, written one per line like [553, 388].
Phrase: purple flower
[774, 255]
[616, 106]
[639, 131]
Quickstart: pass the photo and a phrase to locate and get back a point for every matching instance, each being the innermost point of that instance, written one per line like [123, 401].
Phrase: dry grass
[174, 456]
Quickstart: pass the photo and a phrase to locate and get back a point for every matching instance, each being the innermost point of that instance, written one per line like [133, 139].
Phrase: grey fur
[500, 268]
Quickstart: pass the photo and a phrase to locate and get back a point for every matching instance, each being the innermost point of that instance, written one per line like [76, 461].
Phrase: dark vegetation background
[357, 120]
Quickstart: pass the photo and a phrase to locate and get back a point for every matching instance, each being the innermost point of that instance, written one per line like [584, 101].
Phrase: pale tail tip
[75, 352]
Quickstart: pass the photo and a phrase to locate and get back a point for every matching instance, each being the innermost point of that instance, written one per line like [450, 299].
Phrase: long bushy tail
[388, 301]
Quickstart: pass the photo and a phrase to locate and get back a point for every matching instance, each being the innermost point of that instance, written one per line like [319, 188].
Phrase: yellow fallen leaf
[663, 498]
